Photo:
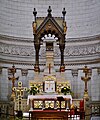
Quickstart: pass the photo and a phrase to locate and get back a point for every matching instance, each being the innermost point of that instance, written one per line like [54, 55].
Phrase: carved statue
[34, 27]
[64, 27]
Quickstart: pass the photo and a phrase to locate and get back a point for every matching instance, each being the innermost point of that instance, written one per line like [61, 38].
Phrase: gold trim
[49, 77]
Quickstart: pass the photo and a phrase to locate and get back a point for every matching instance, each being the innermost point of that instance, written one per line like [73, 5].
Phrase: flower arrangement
[66, 89]
[33, 90]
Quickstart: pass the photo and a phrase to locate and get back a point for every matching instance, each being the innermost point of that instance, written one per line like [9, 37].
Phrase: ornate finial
[49, 11]
[64, 13]
[35, 13]
[13, 70]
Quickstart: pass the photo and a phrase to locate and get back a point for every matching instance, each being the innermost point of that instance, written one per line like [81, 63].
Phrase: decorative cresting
[49, 25]
[86, 78]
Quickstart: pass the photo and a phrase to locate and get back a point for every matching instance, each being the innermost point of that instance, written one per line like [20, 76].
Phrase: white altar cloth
[33, 97]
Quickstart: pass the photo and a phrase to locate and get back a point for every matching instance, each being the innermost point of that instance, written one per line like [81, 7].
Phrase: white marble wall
[83, 16]
[83, 20]
[95, 85]
[77, 84]
[4, 85]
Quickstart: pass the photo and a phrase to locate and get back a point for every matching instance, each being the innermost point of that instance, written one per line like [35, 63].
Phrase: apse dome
[79, 47]
[83, 16]
[82, 36]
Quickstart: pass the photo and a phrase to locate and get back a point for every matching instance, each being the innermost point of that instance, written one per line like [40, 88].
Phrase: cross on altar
[13, 78]
[86, 79]
[49, 68]
[19, 93]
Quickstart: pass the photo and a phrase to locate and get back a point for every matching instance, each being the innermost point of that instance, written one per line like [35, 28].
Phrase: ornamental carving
[69, 50]
[16, 50]
[74, 72]
[24, 72]
[82, 50]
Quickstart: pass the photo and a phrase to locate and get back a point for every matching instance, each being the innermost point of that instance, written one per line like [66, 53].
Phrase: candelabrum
[13, 79]
[86, 78]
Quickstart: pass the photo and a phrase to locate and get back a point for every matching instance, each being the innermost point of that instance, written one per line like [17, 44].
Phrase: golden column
[86, 79]
[13, 79]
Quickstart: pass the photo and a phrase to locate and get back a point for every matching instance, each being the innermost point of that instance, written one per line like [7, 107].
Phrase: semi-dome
[82, 36]
[81, 45]
[83, 16]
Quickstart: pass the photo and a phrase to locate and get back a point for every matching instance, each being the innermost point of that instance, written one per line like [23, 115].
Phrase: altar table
[54, 97]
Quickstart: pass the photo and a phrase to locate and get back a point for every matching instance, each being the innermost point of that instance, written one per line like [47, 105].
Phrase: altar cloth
[51, 96]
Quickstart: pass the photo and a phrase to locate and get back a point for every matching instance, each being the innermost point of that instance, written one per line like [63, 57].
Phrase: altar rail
[95, 108]
[24, 106]
[6, 108]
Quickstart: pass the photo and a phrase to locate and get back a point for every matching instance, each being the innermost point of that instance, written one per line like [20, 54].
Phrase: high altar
[47, 32]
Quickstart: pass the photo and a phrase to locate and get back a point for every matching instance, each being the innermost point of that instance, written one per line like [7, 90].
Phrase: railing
[95, 108]
[6, 108]
[7, 112]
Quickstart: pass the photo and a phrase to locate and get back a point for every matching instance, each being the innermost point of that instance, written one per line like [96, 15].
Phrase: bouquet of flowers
[33, 90]
[65, 90]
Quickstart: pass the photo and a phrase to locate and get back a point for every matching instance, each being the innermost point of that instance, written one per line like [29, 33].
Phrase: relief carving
[24, 72]
[69, 50]
[82, 50]
[16, 50]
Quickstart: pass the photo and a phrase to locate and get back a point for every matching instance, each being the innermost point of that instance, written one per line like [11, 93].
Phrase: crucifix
[19, 93]
[49, 68]
[13, 78]
[86, 79]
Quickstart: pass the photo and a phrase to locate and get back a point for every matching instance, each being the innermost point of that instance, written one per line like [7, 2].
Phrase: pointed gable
[49, 24]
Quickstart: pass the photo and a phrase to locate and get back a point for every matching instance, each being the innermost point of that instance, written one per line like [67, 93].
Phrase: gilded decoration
[64, 27]
[86, 78]
[39, 85]
[34, 27]
[48, 104]
[49, 77]
[60, 85]
[38, 104]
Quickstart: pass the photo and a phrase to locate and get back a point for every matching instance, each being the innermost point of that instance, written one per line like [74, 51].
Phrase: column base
[36, 68]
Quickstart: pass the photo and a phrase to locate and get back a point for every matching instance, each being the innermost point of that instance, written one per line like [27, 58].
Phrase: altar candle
[81, 105]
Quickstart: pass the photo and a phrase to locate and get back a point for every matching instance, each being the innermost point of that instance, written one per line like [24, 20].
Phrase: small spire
[64, 13]
[35, 13]
[49, 11]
